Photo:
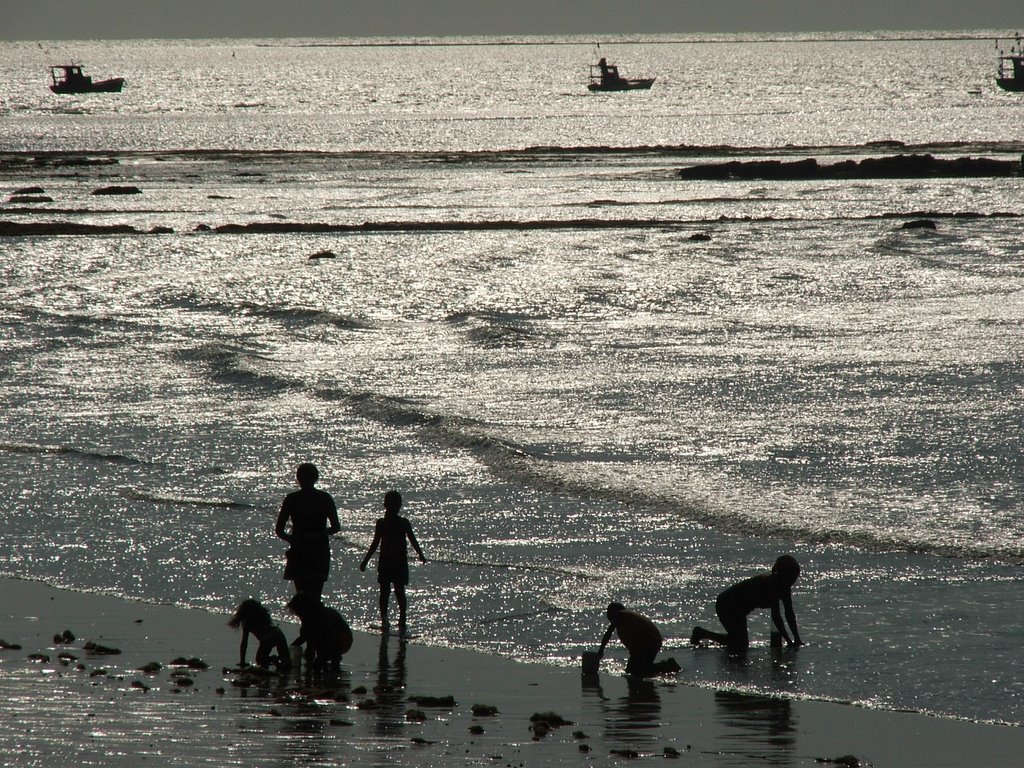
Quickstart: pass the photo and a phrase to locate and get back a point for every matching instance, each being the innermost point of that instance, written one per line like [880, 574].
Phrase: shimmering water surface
[575, 412]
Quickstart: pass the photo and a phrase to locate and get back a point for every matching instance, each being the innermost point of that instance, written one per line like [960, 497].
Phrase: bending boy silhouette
[391, 534]
[642, 639]
[766, 590]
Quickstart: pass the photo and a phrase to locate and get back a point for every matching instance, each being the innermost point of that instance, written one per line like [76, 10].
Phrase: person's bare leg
[385, 596]
[400, 598]
[699, 634]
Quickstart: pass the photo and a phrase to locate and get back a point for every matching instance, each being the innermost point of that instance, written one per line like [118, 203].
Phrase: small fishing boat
[69, 78]
[606, 77]
[1010, 74]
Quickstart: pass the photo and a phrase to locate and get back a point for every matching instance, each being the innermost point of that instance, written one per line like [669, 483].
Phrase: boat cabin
[71, 76]
[1010, 74]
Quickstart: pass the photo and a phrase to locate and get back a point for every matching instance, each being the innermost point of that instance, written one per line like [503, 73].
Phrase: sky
[126, 19]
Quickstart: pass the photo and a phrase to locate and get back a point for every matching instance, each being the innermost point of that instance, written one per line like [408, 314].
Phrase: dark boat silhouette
[606, 77]
[1010, 74]
[69, 78]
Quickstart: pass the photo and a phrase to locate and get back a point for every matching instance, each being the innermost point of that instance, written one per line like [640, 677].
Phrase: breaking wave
[74, 453]
[532, 468]
[183, 501]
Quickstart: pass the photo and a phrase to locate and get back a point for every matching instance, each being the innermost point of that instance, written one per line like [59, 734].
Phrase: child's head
[614, 609]
[787, 569]
[306, 475]
[250, 613]
[392, 501]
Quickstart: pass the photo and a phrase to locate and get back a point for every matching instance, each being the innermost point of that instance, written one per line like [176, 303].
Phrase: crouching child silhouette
[253, 619]
[766, 590]
[642, 639]
[323, 631]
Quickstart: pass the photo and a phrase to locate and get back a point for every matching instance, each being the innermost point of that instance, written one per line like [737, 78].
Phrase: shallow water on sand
[575, 413]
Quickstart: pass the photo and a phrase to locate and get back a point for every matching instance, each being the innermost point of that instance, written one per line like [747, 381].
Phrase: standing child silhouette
[391, 534]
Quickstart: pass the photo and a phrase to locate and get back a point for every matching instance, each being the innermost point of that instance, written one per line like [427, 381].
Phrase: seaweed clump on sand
[101, 650]
[542, 723]
[193, 663]
[440, 702]
[553, 719]
[844, 761]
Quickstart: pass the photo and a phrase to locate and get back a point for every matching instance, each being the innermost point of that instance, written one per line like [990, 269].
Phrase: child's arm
[777, 621]
[282, 521]
[373, 548]
[332, 518]
[415, 544]
[787, 602]
[243, 647]
[605, 639]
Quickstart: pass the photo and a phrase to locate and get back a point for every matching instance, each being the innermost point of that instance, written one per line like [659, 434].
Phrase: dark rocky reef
[36, 229]
[117, 190]
[894, 167]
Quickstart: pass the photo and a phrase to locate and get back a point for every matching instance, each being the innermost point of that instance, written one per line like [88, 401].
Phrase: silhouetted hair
[307, 474]
[613, 609]
[251, 614]
[393, 500]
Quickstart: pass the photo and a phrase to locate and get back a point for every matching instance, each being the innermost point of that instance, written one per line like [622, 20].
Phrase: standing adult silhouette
[313, 516]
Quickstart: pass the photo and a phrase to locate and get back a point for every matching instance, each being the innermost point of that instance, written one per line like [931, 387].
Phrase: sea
[443, 266]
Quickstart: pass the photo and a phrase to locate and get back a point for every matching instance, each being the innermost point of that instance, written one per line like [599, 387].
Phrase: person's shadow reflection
[632, 719]
[761, 728]
[389, 692]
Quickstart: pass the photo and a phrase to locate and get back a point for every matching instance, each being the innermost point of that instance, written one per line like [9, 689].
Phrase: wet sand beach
[69, 705]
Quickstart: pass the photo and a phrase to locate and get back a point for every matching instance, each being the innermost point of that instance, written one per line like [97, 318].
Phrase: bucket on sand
[591, 662]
